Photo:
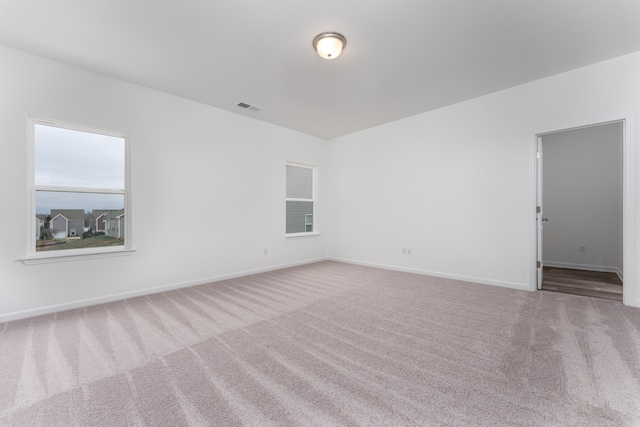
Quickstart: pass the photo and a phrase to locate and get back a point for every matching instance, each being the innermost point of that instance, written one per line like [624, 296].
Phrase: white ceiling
[403, 57]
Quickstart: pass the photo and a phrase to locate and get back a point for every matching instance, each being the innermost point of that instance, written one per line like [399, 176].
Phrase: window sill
[294, 235]
[47, 258]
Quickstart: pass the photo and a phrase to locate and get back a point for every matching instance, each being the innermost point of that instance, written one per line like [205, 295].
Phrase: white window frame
[313, 199]
[34, 257]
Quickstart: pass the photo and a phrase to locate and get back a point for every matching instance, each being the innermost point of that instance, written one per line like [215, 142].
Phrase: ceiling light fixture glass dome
[329, 45]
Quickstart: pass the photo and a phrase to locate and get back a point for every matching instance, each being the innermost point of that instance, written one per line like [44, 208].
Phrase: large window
[300, 199]
[79, 190]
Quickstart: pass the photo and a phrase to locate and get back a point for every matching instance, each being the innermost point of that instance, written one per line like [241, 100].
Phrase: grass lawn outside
[90, 242]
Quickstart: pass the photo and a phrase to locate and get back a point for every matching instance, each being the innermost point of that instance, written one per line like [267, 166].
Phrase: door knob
[546, 218]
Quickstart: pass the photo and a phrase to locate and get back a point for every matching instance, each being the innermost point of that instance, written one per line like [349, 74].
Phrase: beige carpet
[327, 344]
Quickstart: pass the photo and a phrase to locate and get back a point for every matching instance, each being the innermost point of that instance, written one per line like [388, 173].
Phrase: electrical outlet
[408, 251]
[582, 248]
[266, 251]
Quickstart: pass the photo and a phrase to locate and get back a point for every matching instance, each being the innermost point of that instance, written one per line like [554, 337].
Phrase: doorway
[580, 210]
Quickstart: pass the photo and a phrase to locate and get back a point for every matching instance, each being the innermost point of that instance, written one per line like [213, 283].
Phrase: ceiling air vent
[249, 106]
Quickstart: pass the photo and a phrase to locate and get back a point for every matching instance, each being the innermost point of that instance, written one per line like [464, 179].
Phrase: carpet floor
[327, 344]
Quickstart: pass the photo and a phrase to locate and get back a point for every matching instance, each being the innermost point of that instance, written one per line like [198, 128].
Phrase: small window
[300, 199]
[78, 177]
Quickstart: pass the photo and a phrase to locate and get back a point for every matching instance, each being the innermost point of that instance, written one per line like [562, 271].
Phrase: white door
[540, 219]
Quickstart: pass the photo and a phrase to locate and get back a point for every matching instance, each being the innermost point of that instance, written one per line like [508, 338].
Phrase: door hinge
[538, 209]
[539, 264]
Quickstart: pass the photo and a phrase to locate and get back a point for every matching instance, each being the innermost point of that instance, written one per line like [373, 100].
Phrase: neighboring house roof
[68, 213]
[116, 214]
[97, 213]
[59, 216]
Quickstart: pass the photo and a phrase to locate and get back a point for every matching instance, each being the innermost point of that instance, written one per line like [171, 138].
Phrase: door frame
[629, 296]
[539, 211]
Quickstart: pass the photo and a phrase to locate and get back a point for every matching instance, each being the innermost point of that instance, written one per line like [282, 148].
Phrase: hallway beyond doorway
[581, 282]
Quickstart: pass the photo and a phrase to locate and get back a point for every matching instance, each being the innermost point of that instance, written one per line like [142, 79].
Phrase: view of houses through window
[79, 187]
[79, 228]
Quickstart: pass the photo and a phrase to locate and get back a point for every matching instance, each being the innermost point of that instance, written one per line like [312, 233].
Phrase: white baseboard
[511, 285]
[148, 291]
[599, 268]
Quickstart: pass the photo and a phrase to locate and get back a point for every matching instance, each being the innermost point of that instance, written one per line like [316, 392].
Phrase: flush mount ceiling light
[329, 45]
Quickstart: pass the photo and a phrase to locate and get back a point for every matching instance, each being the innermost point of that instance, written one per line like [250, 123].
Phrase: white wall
[583, 198]
[457, 185]
[221, 172]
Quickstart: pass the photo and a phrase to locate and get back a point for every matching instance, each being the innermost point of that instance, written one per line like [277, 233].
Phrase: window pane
[68, 220]
[299, 182]
[65, 157]
[296, 217]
